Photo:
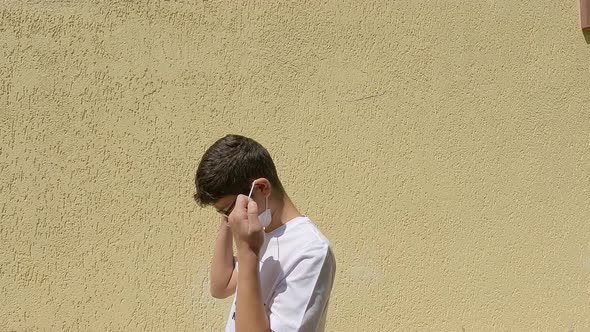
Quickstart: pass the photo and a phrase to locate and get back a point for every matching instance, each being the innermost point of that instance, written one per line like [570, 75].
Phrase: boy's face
[225, 205]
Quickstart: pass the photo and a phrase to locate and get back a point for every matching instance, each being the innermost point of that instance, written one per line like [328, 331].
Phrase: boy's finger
[254, 223]
[237, 213]
[241, 201]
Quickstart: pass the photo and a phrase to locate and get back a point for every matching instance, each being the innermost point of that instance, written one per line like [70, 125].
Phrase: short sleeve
[300, 300]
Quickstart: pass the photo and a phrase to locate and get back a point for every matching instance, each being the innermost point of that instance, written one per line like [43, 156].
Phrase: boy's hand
[246, 227]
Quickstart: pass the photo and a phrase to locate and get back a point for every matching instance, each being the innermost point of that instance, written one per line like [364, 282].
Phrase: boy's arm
[250, 313]
[249, 237]
[300, 300]
[223, 273]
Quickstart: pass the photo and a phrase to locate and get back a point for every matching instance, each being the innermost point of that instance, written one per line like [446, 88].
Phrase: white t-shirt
[297, 268]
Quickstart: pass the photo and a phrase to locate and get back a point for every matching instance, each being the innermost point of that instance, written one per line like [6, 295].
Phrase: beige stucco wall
[442, 146]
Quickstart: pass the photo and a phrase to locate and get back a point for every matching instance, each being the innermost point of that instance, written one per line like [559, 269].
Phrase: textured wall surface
[442, 146]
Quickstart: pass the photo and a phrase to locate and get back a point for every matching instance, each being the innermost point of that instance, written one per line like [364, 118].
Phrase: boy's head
[229, 167]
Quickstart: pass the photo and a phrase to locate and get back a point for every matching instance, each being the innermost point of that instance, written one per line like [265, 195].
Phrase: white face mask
[265, 217]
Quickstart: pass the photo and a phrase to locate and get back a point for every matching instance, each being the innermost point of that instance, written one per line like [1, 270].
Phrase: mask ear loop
[251, 190]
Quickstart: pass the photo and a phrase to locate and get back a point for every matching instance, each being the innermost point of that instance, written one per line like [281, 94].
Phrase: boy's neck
[288, 211]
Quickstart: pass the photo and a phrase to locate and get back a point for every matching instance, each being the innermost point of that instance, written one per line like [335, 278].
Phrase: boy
[286, 266]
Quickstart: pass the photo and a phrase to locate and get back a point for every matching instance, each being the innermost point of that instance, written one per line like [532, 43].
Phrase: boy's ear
[264, 186]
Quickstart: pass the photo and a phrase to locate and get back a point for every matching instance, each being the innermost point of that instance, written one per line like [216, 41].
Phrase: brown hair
[229, 166]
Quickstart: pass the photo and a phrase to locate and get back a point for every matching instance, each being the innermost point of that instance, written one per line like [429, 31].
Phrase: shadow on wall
[587, 35]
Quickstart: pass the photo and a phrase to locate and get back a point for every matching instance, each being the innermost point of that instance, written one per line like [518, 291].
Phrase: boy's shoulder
[305, 232]
[301, 237]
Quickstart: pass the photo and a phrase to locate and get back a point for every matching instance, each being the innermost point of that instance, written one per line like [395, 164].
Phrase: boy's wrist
[224, 226]
[246, 255]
